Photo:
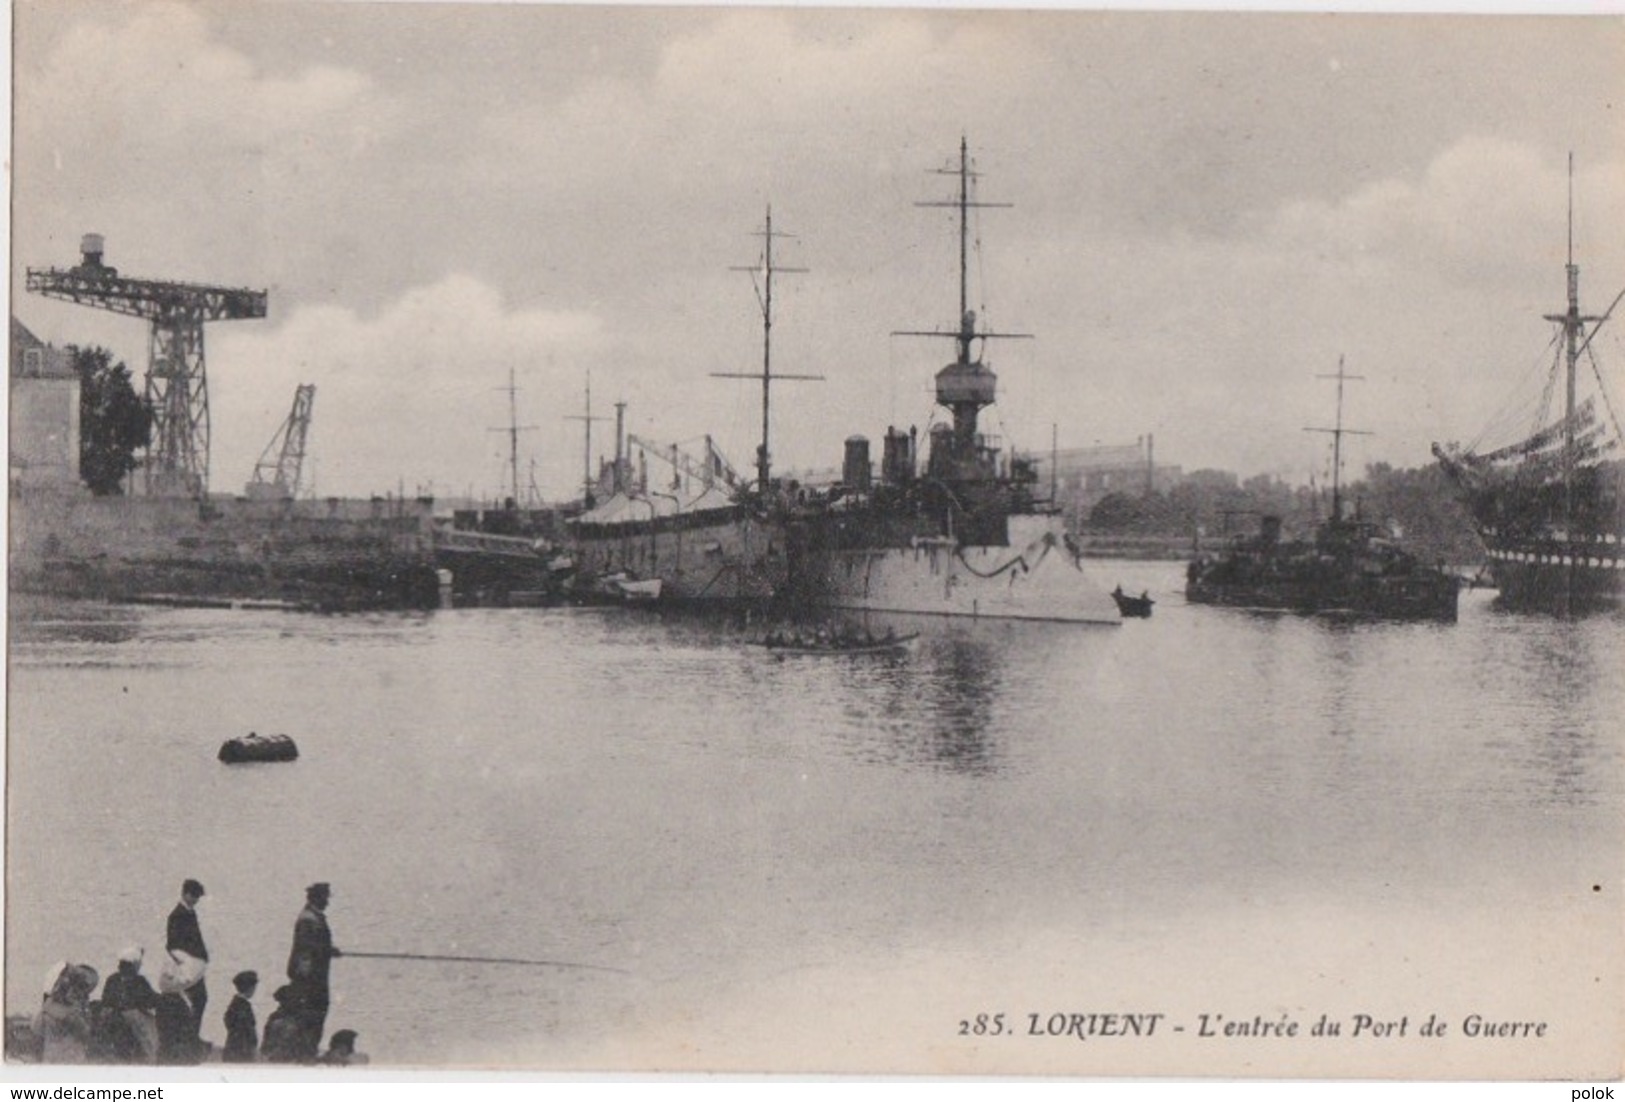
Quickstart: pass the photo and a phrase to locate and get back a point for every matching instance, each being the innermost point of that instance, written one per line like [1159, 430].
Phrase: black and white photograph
[790, 541]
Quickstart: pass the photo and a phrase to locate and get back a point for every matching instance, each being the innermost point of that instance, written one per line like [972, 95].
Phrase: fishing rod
[482, 960]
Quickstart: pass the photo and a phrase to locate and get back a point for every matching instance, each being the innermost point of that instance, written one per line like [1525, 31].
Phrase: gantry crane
[177, 462]
[277, 473]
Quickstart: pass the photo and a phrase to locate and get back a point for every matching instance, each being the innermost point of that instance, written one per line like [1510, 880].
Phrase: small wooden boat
[1136, 607]
[252, 747]
[866, 645]
[643, 589]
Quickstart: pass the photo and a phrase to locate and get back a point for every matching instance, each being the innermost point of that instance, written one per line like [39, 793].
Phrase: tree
[114, 421]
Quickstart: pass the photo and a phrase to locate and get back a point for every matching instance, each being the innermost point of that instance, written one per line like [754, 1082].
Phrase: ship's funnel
[897, 458]
[855, 470]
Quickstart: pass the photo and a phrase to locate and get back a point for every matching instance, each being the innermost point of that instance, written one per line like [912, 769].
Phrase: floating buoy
[252, 747]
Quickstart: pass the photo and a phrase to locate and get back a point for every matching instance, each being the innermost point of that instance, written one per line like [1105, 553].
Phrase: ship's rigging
[1550, 507]
[1556, 445]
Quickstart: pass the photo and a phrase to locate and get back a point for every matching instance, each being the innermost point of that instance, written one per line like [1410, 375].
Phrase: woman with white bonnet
[129, 995]
[63, 1024]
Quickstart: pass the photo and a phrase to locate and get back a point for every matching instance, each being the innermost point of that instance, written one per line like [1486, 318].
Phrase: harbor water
[829, 863]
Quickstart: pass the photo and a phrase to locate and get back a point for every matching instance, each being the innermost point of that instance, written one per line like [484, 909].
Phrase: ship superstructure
[963, 536]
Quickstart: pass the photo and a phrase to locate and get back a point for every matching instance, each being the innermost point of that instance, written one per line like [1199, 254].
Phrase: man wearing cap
[186, 936]
[308, 963]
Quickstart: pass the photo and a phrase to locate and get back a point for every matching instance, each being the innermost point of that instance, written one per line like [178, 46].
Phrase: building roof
[33, 358]
[1098, 457]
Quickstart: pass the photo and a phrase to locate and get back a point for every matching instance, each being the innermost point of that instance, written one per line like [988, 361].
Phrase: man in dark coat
[186, 936]
[310, 960]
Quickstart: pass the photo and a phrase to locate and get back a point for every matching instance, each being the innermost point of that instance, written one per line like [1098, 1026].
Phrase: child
[341, 1050]
[242, 1036]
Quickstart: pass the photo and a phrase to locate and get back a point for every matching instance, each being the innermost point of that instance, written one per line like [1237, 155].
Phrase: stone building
[1085, 475]
[44, 428]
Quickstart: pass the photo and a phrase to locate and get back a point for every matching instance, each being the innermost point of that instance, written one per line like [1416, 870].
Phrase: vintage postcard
[864, 541]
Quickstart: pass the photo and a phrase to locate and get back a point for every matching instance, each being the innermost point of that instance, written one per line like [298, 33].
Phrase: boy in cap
[242, 1033]
[186, 936]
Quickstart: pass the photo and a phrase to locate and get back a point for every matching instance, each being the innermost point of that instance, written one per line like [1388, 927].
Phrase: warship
[711, 537]
[1350, 567]
[966, 535]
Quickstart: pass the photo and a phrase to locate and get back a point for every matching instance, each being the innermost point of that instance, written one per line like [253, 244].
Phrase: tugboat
[1133, 608]
[1350, 568]
[1550, 508]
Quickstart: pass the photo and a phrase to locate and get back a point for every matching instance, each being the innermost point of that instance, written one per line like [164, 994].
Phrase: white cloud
[769, 99]
[1484, 207]
[154, 72]
[408, 393]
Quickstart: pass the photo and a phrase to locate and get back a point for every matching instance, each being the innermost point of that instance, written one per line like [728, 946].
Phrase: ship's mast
[513, 430]
[1337, 434]
[1573, 323]
[967, 320]
[967, 386]
[966, 324]
[764, 295]
[587, 419]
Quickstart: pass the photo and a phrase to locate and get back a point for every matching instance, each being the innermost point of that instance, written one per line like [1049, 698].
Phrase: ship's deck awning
[623, 508]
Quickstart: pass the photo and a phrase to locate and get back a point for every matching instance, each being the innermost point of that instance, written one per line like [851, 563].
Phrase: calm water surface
[827, 863]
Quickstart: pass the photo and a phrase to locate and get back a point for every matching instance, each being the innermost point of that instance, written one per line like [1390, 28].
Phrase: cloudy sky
[1208, 210]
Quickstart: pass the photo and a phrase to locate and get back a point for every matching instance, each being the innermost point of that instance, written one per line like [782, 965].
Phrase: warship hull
[1552, 576]
[1035, 577]
[711, 556]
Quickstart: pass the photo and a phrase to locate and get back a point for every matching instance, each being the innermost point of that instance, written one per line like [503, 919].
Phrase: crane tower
[277, 473]
[177, 462]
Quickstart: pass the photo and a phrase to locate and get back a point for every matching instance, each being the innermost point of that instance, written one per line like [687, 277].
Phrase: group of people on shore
[134, 1023]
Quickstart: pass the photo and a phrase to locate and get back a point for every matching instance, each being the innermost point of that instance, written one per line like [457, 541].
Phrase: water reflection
[955, 700]
[89, 624]
[1560, 745]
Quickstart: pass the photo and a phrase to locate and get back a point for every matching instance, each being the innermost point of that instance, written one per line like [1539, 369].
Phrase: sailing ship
[1550, 508]
[709, 537]
[964, 537]
[1350, 567]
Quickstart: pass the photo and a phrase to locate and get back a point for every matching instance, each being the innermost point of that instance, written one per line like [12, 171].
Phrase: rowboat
[889, 644]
